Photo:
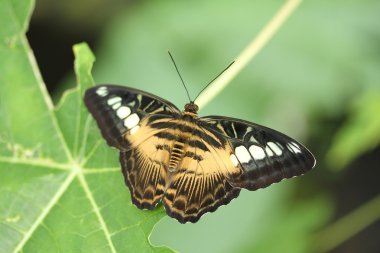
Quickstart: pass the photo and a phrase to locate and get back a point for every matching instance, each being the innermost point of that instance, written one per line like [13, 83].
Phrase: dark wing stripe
[197, 144]
[192, 143]
[187, 129]
[166, 135]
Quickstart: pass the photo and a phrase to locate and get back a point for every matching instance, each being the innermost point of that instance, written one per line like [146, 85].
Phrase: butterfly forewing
[264, 155]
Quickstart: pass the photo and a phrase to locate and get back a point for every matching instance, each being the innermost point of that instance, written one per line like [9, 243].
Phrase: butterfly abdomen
[176, 155]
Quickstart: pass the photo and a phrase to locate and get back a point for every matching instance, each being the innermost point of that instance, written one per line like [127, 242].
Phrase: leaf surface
[61, 189]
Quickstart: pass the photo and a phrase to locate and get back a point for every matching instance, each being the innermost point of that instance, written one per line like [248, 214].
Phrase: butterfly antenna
[214, 79]
[175, 65]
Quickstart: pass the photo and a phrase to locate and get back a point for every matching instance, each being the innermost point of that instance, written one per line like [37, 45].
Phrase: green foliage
[56, 193]
[360, 133]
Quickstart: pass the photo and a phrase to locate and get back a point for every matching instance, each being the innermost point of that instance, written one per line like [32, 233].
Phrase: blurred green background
[317, 80]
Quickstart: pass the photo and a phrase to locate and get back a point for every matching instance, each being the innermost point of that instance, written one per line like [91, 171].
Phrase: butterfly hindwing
[118, 109]
[264, 155]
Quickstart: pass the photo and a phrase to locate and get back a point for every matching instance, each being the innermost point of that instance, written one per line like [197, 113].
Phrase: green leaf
[360, 133]
[61, 189]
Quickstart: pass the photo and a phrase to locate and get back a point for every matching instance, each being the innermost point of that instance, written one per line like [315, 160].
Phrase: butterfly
[191, 164]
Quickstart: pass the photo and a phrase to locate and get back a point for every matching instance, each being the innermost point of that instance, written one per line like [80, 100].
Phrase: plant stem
[348, 226]
[249, 52]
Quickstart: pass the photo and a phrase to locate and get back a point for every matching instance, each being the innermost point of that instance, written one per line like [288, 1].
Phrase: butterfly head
[191, 109]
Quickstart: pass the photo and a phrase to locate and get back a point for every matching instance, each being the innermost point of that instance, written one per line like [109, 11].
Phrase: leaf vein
[54, 200]
[36, 162]
[95, 206]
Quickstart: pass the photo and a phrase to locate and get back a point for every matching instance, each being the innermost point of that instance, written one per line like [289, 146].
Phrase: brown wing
[200, 183]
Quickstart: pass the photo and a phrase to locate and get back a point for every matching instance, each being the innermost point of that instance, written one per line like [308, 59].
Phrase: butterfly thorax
[191, 109]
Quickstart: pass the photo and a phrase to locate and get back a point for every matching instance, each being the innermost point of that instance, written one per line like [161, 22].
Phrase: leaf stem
[349, 225]
[249, 52]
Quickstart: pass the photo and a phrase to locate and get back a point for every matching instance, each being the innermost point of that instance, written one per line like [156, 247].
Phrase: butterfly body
[193, 165]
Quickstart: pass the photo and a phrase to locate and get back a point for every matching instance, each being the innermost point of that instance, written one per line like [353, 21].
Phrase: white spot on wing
[123, 112]
[242, 154]
[132, 103]
[294, 147]
[269, 151]
[275, 147]
[131, 121]
[234, 160]
[134, 129]
[257, 152]
[102, 91]
[253, 139]
[117, 105]
[113, 100]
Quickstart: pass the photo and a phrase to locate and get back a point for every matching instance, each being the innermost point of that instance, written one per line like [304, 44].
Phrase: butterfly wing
[124, 116]
[264, 155]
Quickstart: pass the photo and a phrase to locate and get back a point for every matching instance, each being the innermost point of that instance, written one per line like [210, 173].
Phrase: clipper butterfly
[192, 165]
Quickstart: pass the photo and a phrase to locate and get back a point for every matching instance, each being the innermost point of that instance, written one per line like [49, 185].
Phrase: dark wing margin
[264, 155]
[118, 109]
